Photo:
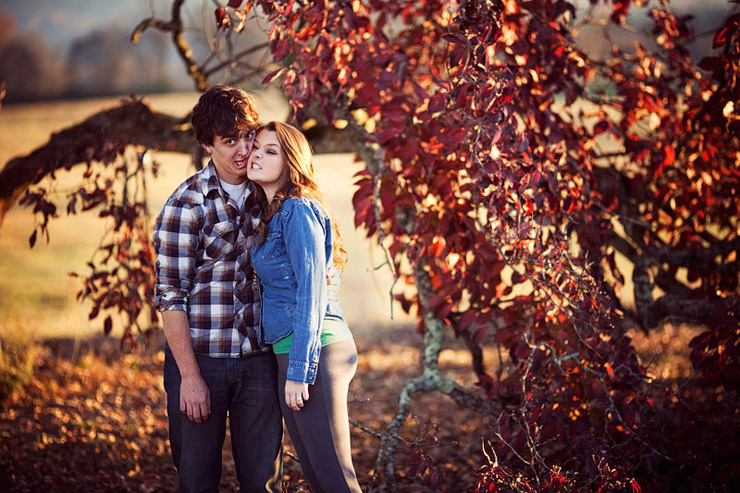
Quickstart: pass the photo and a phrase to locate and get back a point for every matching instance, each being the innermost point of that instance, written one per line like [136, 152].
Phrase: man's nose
[245, 145]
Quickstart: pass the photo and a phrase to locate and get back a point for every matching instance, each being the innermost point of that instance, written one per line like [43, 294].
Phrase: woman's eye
[271, 152]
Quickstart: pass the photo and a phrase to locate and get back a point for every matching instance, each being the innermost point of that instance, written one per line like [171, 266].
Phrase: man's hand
[195, 399]
[296, 394]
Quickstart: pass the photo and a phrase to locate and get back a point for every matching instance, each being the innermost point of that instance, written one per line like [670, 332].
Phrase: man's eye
[230, 141]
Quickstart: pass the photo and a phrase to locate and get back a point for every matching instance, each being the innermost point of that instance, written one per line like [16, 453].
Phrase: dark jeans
[243, 389]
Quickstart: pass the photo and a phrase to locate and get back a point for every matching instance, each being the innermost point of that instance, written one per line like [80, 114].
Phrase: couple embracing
[248, 265]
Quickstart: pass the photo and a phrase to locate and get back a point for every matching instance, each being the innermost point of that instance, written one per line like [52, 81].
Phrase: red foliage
[492, 165]
[122, 270]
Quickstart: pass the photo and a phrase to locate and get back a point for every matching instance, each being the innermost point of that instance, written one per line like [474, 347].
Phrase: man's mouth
[240, 163]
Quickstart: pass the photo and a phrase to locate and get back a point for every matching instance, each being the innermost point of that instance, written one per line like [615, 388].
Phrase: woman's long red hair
[298, 180]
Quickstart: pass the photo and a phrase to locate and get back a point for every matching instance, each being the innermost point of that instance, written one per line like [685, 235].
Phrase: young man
[214, 363]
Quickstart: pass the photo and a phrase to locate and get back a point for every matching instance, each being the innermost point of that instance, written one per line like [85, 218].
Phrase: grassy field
[37, 296]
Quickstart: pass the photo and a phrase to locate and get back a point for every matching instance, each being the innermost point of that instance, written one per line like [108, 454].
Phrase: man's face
[230, 154]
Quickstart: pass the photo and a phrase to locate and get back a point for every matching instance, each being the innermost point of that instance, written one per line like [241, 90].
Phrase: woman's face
[266, 162]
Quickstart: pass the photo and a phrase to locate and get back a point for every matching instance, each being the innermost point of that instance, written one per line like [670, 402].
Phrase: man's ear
[207, 148]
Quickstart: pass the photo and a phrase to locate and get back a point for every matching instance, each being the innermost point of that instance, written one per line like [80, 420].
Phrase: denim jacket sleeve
[305, 237]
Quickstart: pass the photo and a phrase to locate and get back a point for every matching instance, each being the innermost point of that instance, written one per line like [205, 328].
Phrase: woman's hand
[296, 394]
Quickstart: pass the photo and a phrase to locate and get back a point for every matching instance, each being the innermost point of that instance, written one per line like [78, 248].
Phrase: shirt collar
[211, 182]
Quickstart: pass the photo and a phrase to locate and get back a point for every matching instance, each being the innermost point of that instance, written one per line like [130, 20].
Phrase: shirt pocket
[219, 239]
[274, 246]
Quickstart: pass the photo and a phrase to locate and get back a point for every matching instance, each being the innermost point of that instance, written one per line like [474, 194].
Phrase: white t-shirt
[236, 192]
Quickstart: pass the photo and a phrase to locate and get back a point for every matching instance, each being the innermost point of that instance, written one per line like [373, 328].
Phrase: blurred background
[66, 60]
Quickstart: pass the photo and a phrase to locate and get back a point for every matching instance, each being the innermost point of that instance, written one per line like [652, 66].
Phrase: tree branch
[651, 312]
[699, 259]
[230, 61]
[175, 26]
[100, 137]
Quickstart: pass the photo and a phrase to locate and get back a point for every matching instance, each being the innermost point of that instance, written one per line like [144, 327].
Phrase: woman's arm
[304, 232]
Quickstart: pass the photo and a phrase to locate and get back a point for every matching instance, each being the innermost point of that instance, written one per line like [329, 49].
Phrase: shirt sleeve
[175, 241]
[305, 237]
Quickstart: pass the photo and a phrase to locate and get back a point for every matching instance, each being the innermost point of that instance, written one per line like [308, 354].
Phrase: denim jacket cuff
[301, 372]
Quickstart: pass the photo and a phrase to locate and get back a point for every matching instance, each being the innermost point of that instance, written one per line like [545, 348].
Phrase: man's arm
[175, 239]
[195, 397]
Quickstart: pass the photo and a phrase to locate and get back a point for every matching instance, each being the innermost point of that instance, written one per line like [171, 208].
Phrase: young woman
[296, 250]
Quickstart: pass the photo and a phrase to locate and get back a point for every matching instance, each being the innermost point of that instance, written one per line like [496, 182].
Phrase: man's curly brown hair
[223, 111]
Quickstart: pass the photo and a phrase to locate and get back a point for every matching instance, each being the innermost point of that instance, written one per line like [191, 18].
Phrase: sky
[61, 21]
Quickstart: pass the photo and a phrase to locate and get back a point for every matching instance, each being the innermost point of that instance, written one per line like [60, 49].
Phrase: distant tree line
[100, 63]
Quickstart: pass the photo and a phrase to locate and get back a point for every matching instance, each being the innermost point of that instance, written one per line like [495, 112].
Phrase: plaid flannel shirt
[201, 240]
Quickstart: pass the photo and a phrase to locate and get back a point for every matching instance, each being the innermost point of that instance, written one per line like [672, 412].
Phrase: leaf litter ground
[93, 419]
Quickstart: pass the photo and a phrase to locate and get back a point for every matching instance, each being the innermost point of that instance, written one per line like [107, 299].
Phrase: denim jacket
[292, 265]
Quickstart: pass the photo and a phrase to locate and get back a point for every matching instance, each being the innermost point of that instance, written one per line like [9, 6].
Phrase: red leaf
[406, 303]
[444, 310]
[107, 325]
[620, 10]
[437, 102]
[710, 63]
[670, 156]
[722, 37]
[223, 21]
[271, 76]
[602, 127]
[234, 4]
[420, 92]
[248, 7]
[281, 50]
[478, 337]
[467, 320]
[437, 247]
[455, 39]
